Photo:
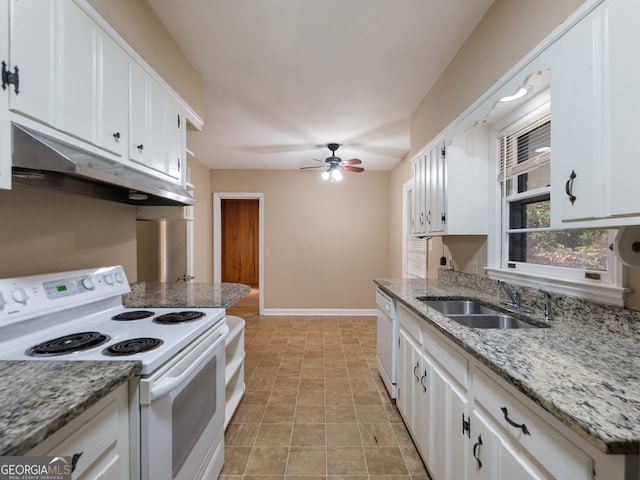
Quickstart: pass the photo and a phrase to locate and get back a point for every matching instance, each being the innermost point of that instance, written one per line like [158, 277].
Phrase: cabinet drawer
[454, 363]
[410, 324]
[100, 435]
[552, 450]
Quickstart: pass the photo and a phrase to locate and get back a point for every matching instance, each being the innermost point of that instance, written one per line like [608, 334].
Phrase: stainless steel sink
[498, 320]
[458, 307]
[473, 314]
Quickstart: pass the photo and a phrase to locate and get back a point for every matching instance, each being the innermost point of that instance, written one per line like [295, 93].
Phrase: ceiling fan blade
[353, 169]
[315, 166]
[353, 161]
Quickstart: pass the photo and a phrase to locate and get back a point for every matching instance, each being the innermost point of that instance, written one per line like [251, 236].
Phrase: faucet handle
[546, 296]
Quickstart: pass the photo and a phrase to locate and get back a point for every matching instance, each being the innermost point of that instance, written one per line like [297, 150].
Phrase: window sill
[592, 291]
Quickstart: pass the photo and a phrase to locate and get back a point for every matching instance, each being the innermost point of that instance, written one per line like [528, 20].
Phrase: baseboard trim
[320, 312]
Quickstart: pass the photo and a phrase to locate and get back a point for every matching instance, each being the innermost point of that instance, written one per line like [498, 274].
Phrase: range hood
[42, 161]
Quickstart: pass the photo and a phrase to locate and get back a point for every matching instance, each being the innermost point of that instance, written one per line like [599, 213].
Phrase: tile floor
[315, 406]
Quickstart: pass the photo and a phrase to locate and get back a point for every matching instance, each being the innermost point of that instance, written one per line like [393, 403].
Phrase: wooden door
[239, 249]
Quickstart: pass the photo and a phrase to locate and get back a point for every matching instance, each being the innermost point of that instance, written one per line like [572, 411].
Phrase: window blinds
[527, 147]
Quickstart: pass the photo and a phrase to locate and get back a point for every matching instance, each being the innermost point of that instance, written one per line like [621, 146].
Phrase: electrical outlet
[430, 245]
[443, 261]
[266, 252]
[474, 266]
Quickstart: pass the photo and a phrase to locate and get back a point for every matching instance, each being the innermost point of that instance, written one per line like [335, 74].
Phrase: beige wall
[509, 30]
[141, 28]
[44, 231]
[203, 224]
[327, 241]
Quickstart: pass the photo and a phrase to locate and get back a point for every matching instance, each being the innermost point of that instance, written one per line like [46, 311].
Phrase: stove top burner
[68, 344]
[132, 346]
[133, 315]
[179, 317]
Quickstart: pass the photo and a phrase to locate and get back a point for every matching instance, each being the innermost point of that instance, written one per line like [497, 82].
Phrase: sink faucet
[514, 296]
[546, 299]
[513, 293]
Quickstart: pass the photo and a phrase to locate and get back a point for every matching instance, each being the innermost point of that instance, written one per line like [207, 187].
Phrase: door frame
[217, 236]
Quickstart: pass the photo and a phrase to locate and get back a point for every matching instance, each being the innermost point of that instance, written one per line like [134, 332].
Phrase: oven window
[192, 411]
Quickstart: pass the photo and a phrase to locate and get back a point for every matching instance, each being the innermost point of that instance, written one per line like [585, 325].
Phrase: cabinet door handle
[414, 371]
[421, 218]
[422, 380]
[568, 188]
[476, 448]
[522, 426]
[429, 217]
[140, 147]
[116, 136]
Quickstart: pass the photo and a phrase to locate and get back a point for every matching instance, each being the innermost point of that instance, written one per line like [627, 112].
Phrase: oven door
[182, 413]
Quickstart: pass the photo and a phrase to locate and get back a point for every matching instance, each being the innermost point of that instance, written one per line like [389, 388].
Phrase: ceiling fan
[334, 164]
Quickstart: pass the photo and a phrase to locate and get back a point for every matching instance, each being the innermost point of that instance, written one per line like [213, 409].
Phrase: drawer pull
[414, 372]
[476, 447]
[524, 428]
[422, 380]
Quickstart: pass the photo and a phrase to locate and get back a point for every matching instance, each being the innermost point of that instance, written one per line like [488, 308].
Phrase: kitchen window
[531, 252]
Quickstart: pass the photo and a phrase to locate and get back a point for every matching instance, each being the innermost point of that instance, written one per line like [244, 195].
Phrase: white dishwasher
[387, 341]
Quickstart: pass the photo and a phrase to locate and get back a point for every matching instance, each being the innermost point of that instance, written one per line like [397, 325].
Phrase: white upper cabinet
[112, 132]
[73, 78]
[157, 130]
[77, 73]
[451, 186]
[594, 119]
[32, 54]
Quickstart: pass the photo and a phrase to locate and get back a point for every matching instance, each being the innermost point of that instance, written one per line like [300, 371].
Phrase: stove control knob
[20, 295]
[109, 279]
[87, 282]
[119, 277]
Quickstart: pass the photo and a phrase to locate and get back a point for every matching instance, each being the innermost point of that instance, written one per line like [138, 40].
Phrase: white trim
[407, 187]
[597, 292]
[217, 238]
[320, 312]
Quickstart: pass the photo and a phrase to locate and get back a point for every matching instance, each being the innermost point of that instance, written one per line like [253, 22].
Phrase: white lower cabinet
[99, 438]
[432, 400]
[469, 424]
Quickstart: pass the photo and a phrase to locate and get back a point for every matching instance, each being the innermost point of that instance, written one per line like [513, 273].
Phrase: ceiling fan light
[325, 175]
[336, 175]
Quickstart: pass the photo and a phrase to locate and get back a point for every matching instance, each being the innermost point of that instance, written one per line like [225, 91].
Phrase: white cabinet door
[623, 101]
[157, 124]
[579, 159]
[175, 130]
[113, 97]
[466, 183]
[405, 376]
[490, 457]
[5, 132]
[594, 121]
[424, 407]
[419, 196]
[76, 73]
[450, 438]
[435, 190]
[139, 150]
[32, 52]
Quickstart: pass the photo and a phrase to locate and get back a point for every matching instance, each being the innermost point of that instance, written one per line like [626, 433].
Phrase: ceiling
[283, 78]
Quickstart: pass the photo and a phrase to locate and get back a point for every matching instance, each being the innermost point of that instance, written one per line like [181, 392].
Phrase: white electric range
[79, 315]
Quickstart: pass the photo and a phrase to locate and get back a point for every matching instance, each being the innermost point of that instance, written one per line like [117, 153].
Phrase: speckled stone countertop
[184, 295]
[38, 398]
[584, 369]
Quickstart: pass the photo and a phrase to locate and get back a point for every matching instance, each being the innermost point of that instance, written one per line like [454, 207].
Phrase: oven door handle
[169, 383]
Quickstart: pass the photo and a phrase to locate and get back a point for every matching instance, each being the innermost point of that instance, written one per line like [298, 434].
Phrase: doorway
[238, 242]
[239, 247]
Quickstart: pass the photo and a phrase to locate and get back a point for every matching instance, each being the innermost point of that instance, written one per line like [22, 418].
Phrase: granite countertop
[39, 398]
[584, 369]
[184, 295]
